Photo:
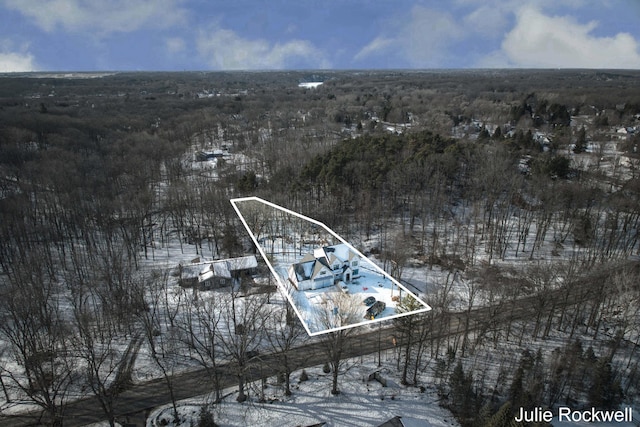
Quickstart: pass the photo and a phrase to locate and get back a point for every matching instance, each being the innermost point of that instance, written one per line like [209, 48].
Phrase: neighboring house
[216, 274]
[325, 267]
[203, 156]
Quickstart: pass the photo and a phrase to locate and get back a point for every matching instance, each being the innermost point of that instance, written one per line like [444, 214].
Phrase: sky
[201, 35]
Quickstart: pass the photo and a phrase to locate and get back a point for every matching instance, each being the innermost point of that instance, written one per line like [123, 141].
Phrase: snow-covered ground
[360, 403]
[284, 238]
[312, 400]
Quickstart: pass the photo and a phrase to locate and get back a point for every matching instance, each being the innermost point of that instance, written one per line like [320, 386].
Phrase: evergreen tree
[205, 417]
[605, 391]
[502, 418]
[516, 390]
[581, 141]
[461, 393]
[497, 134]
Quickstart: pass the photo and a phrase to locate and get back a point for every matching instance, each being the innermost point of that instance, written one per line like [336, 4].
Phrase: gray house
[216, 274]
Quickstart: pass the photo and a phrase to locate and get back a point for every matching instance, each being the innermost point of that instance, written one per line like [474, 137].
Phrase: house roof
[320, 264]
[303, 270]
[309, 267]
[340, 251]
[312, 265]
[242, 263]
[194, 270]
[216, 268]
[219, 268]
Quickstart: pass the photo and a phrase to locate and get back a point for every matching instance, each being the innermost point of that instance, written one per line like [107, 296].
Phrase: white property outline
[283, 287]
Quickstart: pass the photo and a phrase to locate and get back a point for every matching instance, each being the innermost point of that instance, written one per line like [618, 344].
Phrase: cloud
[225, 50]
[488, 20]
[15, 58]
[421, 39]
[175, 45]
[11, 62]
[377, 45]
[540, 41]
[103, 17]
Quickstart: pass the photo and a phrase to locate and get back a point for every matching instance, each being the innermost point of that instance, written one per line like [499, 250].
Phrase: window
[354, 264]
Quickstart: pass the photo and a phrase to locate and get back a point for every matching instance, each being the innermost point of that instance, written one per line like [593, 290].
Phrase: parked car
[369, 301]
[373, 311]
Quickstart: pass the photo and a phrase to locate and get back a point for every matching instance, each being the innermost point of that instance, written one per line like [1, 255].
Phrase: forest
[515, 194]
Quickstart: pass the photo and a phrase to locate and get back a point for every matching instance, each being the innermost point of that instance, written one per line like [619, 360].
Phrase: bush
[205, 417]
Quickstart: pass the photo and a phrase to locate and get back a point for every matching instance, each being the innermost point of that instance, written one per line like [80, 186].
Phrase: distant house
[203, 156]
[325, 267]
[215, 274]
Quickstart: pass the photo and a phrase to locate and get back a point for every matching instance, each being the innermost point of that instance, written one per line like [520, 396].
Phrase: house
[203, 156]
[325, 267]
[215, 274]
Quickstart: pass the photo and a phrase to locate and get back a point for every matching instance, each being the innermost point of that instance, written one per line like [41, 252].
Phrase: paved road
[141, 398]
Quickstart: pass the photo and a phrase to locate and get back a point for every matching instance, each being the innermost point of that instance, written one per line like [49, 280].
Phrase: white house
[323, 268]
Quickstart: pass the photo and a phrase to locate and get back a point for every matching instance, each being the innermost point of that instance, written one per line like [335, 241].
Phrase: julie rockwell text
[592, 415]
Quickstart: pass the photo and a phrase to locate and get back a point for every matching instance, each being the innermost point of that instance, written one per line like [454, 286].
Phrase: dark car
[373, 311]
[369, 301]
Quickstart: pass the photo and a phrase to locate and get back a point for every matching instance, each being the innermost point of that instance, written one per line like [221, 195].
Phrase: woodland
[514, 185]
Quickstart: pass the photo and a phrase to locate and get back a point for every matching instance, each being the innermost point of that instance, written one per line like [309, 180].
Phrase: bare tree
[414, 329]
[284, 332]
[241, 332]
[199, 323]
[34, 325]
[339, 311]
[106, 368]
[163, 342]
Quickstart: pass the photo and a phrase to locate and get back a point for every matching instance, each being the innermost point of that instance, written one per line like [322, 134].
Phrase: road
[141, 398]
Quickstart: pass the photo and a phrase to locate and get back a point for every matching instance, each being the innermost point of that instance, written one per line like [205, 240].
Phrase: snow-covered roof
[242, 263]
[195, 270]
[303, 270]
[205, 276]
[309, 267]
[320, 264]
[341, 251]
[309, 85]
[219, 268]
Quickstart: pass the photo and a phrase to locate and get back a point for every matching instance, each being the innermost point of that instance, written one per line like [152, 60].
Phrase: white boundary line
[283, 287]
